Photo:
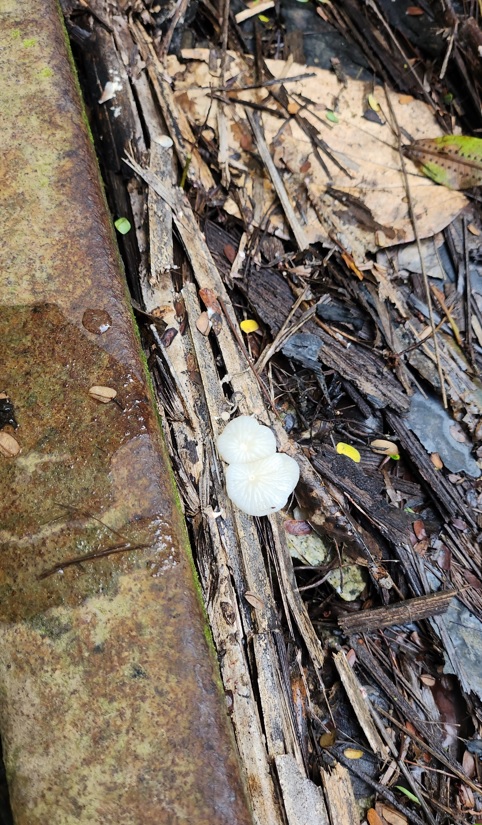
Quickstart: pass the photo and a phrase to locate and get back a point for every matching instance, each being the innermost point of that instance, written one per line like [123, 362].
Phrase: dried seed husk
[9, 446]
[383, 447]
[102, 394]
[203, 324]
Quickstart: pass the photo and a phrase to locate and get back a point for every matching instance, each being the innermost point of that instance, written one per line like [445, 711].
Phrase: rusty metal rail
[111, 710]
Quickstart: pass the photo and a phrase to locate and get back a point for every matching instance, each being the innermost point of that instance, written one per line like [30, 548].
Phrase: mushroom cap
[243, 439]
[262, 487]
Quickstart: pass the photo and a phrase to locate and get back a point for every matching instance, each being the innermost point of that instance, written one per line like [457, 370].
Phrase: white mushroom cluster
[258, 479]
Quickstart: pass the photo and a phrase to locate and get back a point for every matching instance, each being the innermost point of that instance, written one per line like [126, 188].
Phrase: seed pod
[9, 446]
[102, 394]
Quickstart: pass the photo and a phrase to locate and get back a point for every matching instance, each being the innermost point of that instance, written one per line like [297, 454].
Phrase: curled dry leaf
[297, 528]
[468, 764]
[9, 446]
[216, 321]
[102, 394]
[353, 753]
[229, 252]
[210, 301]
[168, 336]
[419, 529]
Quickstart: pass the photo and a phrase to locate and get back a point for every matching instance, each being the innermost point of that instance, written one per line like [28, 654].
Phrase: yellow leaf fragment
[353, 753]
[373, 103]
[249, 325]
[9, 446]
[349, 451]
[328, 739]
[436, 461]
[102, 394]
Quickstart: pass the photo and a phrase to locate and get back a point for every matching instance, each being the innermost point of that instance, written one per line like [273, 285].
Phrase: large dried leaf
[356, 196]
[454, 161]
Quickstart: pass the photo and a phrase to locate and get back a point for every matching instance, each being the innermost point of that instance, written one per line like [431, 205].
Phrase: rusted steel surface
[110, 707]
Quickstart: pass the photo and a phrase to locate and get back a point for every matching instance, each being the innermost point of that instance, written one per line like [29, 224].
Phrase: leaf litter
[343, 345]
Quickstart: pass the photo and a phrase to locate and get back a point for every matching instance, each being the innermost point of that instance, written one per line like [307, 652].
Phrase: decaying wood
[381, 790]
[359, 705]
[304, 803]
[428, 733]
[411, 610]
[340, 799]
[271, 297]
[446, 495]
[174, 116]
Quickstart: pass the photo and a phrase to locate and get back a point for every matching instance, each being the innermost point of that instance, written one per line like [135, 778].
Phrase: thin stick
[275, 81]
[278, 184]
[413, 219]
[166, 40]
[468, 298]
[285, 332]
[96, 554]
[243, 349]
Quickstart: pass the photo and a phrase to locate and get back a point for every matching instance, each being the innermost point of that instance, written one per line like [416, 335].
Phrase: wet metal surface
[111, 711]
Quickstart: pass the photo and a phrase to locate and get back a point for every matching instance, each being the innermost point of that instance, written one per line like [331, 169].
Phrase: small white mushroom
[243, 440]
[262, 487]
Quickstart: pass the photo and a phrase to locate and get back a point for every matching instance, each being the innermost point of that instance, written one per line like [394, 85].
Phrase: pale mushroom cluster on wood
[259, 481]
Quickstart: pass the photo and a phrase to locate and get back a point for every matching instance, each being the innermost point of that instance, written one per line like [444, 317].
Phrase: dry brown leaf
[360, 202]
[210, 301]
[390, 815]
[468, 764]
[9, 446]
[102, 394]
[373, 818]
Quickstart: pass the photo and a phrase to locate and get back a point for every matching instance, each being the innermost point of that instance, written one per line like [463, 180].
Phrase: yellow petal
[349, 451]
[249, 325]
[353, 753]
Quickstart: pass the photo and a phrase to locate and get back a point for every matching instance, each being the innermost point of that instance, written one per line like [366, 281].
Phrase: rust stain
[111, 710]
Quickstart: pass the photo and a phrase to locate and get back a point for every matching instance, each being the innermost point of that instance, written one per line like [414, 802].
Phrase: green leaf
[331, 116]
[122, 225]
[409, 794]
[454, 161]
